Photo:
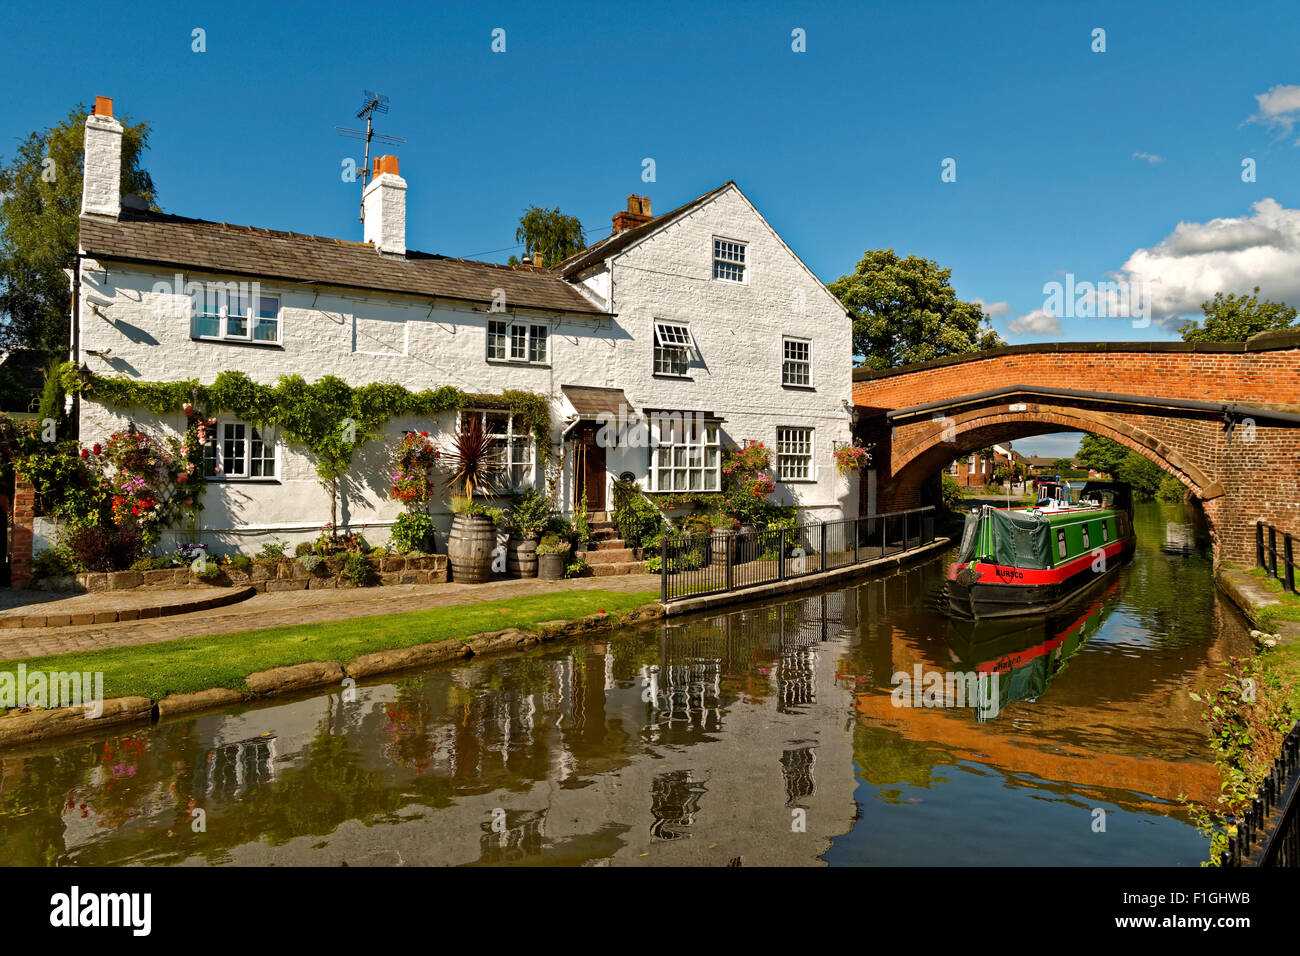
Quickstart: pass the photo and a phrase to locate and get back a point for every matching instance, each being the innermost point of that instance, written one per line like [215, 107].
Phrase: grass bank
[223, 660]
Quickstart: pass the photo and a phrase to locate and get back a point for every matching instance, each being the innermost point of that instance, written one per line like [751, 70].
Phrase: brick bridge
[1223, 418]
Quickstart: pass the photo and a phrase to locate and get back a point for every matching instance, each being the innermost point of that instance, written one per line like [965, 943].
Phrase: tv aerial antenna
[375, 103]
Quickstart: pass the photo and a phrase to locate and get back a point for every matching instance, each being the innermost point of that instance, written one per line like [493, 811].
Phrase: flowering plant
[851, 458]
[411, 467]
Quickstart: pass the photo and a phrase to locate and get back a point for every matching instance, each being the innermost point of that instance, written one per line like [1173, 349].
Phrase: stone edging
[1243, 591]
[66, 619]
[38, 726]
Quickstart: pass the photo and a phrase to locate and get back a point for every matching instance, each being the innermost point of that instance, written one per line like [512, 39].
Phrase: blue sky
[1068, 161]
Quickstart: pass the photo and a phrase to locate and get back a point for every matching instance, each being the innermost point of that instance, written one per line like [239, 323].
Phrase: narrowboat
[1038, 559]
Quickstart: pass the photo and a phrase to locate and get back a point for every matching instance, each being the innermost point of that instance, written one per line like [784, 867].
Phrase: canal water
[768, 735]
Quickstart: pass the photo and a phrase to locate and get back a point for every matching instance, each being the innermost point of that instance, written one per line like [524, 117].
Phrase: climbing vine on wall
[328, 417]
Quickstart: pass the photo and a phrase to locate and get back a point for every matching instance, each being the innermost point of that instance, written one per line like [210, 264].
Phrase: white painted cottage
[701, 316]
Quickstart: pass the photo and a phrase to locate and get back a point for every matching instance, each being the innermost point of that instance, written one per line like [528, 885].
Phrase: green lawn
[223, 660]
[1288, 610]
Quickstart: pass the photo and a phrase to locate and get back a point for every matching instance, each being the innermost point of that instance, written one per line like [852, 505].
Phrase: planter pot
[469, 548]
[724, 542]
[550, 567]
[521, 557]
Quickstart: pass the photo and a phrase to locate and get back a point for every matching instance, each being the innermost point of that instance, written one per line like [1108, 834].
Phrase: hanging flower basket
[850, 458]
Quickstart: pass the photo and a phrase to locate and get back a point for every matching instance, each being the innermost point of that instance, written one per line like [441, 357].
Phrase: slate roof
[175, 241]
[616, 243]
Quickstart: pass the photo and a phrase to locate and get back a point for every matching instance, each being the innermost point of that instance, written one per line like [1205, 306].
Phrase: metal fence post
[823, 545]
[664, 545]
[1288, 555]
[907, 539]
[1259, 544]
[1272, 551]
[729, 546]
[781, 558]
[857, 534]
[884, 521]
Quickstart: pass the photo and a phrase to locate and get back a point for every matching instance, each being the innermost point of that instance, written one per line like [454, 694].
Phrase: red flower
[84, 453]
[96, 449]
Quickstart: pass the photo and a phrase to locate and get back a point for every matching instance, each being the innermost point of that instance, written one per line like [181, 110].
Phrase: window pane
[519, 341]
[233, 450]
[537, 343]
[496, 340]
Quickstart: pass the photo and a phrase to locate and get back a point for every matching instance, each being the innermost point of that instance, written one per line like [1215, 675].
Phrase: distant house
[975, 469]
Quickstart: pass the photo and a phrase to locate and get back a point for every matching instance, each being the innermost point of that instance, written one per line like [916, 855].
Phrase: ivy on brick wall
[328, 417]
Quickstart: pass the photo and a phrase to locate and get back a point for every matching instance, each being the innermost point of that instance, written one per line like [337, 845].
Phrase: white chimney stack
[384, 206]
[101, 185]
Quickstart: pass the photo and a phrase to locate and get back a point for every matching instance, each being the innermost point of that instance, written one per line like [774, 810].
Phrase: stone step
[610, 556]
[627, 567]
[606, 544]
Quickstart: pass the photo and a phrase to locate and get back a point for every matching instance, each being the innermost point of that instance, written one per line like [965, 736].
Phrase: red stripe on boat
[1023, 577]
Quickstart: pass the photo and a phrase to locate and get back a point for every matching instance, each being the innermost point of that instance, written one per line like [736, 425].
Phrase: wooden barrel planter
[469, 548]
[550, 567]
[521, 557]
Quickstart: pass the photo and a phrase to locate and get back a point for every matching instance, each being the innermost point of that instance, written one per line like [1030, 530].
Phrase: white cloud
[1151, 158]
[1230, 255]
[1040, 321]
[1279, 107]
[994, 310]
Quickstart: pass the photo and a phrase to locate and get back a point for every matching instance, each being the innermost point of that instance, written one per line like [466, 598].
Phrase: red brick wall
[1261, 378]
[24, 517]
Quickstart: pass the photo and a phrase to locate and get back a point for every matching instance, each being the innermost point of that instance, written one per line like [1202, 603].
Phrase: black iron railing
[1267, 557]
[1268, 833]
[700, 564]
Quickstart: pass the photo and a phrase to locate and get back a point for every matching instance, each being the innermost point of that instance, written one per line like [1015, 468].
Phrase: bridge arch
[1223, 418]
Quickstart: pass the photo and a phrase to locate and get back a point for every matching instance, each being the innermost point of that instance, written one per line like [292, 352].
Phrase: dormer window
[728, 260]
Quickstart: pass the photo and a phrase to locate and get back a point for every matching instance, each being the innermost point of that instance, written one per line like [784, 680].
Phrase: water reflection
[764, 736]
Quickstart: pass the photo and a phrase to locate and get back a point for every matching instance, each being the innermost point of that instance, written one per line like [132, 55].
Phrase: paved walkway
[290, 607]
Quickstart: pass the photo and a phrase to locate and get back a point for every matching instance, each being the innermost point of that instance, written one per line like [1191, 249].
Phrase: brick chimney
[638, 212]
[101, 185]
[384, 206]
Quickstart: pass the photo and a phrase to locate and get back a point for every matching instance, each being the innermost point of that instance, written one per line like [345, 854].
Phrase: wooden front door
[589, 468]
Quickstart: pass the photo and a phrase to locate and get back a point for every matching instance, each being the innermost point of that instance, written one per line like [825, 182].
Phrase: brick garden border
[67, 618]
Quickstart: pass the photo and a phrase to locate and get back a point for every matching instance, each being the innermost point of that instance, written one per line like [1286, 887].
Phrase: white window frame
[730, 255]
[786, 361]
[680, 446]
[214, 452]
[521, 331]
[525, 467]
[673, 339]
[810, 454]
[198, 310]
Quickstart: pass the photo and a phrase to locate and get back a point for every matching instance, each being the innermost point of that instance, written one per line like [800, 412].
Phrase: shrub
[310, 561]
[54, 562]
[653, 565]
[637, 519]
[272, 552]
[950, 493]
[531, 513]
[105, 549]
[576, 568]
[552, 544]
[357, 569]
[238, 562]
[413, 531]
[304, 548]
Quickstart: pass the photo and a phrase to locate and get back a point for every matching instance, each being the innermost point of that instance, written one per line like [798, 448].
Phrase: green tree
[1104, 454]
[1235, 318]
[41, 190]
[549, 232]
[906, 310]
[1141, 474]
